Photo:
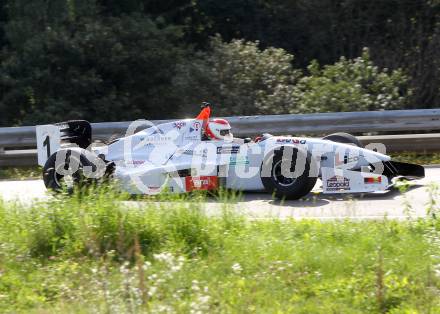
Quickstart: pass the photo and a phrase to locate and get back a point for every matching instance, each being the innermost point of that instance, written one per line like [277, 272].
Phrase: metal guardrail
[17, 144]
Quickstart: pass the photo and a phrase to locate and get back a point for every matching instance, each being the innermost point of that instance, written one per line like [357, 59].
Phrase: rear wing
[51, 137]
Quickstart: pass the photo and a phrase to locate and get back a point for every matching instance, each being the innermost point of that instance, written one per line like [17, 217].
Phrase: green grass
[20, 173]
[101, 253]
[417, 158]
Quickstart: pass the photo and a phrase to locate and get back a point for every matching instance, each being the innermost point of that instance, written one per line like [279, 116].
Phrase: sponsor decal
[228, 149]
[291, 140]
[190, 152]
[239, 160]
[156, 139]
[195, 127]
[154, 188]
[347, 159]
[338, 183]
[203, 153]
[201, 183]
[158, 189]
[184, 151]
[373, 180]
[135, 162]
[179, 124]
[195, 137]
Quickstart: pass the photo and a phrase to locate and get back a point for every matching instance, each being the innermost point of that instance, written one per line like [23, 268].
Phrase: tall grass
[98, 251]
[104, 220]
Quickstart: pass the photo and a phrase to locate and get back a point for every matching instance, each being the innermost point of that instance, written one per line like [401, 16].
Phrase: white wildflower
[124, 268]
[200, 305]
[164, 257]
[195, 286]
[236, 268]
[146, 265]
[437, 270]
[152, 291]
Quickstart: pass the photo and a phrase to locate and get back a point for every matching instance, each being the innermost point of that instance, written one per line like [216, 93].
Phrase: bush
[351, 85]
[245, 80]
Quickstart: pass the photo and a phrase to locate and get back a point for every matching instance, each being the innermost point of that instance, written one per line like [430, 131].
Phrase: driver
[215, 129]
[218, 129]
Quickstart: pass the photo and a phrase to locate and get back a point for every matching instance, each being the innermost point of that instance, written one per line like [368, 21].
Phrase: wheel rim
[67, 181]
[279, 178]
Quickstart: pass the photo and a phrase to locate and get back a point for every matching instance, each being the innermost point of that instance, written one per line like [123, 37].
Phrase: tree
[3, 17]
[240, 77]
[98, 69]
[400, 33]
[116, 59]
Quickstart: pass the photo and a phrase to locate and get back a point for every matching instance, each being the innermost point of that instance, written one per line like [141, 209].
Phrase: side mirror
[247, 140]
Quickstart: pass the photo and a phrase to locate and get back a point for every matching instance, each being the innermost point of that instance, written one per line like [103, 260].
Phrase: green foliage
[100, 252]
[241, 77]
[2, 23]
[417, 158]
[246, 80]
[107, 69]
[351, 85]
[20, 173]
[91, 224]
[107, 60]
[400, 34]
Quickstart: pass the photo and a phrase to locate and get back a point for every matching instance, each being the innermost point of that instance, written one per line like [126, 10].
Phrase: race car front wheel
[68, 169]
[288, 175]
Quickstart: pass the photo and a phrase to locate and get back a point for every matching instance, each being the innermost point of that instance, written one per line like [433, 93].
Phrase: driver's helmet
[218, 129]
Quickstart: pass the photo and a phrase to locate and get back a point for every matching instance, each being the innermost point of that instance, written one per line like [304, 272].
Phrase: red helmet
[218, 129]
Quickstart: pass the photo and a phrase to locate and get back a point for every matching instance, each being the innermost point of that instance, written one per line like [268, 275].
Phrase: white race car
[202, 154]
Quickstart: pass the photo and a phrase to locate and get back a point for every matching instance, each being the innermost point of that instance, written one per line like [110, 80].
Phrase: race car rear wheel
[344, 138]
[289, 187]
[56, 176]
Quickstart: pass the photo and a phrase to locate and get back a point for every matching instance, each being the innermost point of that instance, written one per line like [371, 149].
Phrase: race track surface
[391, 204]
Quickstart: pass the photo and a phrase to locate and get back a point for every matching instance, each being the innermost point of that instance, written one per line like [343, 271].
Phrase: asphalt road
[391, 204]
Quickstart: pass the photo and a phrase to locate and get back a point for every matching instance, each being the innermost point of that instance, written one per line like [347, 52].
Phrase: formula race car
[202, 154]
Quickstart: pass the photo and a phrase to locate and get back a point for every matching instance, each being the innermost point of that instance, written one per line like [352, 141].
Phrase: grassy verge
[99, 253]
[20, 173]
[417, 158]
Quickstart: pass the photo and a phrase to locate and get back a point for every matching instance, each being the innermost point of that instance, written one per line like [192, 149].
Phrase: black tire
[284, 187]
[56, 182]
[344, 138]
